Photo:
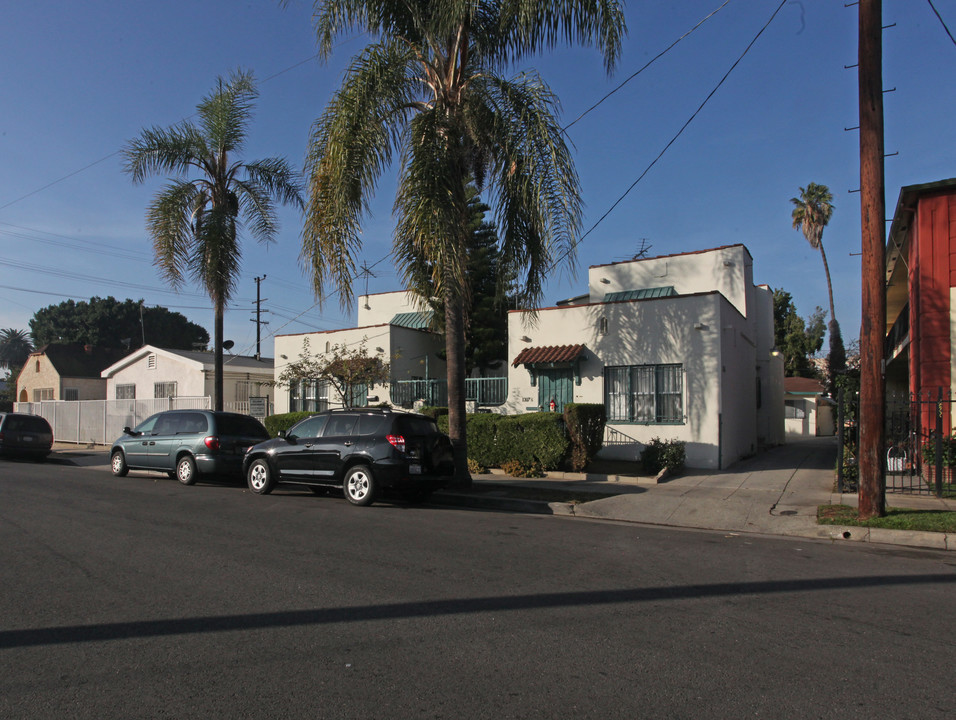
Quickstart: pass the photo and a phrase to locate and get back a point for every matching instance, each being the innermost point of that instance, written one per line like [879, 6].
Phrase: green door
[555, 384]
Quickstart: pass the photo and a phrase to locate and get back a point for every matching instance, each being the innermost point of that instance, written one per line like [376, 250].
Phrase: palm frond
[163, 150]
[214, 256]
[170, 222]
[225, 114]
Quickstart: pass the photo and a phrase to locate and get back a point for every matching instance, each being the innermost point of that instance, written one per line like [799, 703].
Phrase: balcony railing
[485, 392]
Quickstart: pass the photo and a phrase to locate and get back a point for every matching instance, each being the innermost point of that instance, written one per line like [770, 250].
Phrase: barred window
[164, 389]
[41, 394]
[126, 392]
[309, 396]
[794, 409]
[71, 394]
[644, 393]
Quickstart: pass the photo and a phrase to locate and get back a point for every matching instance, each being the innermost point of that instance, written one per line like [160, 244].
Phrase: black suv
[362, 451]
[187, 443]
[25, 435]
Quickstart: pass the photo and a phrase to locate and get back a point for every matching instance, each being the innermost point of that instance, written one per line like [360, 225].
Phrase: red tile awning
[550, 354]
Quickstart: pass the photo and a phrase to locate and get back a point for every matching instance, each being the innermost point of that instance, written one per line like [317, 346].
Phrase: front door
[555, 384]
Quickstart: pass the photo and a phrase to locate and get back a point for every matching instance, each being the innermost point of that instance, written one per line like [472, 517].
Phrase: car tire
[186, 470]
[359, 486]
[118, 464]
[259, 477]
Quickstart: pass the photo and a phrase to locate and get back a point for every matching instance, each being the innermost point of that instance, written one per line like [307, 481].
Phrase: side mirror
[127, 431]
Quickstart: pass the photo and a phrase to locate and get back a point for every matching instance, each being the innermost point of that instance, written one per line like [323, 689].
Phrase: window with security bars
[71, 394]
[644, 394]
[126, 392]
[164, 389]
[309, 396]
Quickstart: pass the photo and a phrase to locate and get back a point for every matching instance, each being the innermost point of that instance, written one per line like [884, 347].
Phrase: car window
[417, 425]
[147, 425]
[370, 424]
[168, 424]
[192, 424]
[339, 425]
[28, 423]
[310, 427]
[240, 425]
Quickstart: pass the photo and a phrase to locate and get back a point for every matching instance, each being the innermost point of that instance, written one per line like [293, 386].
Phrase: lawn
[895, 519]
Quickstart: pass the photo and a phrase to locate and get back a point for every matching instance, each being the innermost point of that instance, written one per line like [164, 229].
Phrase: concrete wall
[770, 372]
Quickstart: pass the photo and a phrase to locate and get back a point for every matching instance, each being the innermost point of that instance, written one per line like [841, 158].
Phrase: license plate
[414, 469]
[27, 438]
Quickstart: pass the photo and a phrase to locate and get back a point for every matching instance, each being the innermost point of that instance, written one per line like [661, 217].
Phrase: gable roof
[549, 354]
[200, 359]
[802, 386]
[76, 360]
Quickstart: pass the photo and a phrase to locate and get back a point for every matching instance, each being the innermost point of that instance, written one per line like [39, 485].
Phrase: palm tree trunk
[455, 373]
[217, 363]
[826, 269]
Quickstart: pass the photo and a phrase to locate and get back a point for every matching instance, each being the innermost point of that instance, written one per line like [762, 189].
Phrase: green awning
[642, 294]
[413, 320]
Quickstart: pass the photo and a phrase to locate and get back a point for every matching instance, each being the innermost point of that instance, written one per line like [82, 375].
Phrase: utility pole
[258, 321]
[872, 493]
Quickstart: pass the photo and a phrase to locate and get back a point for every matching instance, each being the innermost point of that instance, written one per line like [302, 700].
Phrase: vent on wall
[151, 362]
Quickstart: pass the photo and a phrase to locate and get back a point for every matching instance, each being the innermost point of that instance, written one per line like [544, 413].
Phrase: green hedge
[275, 423]
[659, 454]
[496, 439]
[585, 423]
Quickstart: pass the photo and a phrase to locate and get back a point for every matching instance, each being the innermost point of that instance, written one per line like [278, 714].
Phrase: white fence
[102, 421]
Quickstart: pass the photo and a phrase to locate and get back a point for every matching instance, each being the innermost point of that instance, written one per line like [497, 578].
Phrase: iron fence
[920, 449]
[485, 392]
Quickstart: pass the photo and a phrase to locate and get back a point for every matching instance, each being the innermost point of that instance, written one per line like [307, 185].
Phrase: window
[41, 394]
[71, 393]
[644, 393]
[309, 396]
[126, 392]
[164, 389]
[794, 409]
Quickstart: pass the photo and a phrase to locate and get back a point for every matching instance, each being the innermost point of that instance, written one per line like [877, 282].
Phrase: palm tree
[431, 89]
[15, 348]
[811, 213]
[195, 223]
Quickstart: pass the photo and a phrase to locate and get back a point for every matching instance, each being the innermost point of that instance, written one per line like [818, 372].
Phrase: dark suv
[25, 435]
[187, 443]
[362, 451]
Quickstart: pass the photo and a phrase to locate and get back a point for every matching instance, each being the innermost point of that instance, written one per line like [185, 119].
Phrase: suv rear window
[241, 425]
[28, 423]
[417, 425]
[370, 424]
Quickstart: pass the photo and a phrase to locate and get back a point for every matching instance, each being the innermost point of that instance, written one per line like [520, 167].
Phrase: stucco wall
[36, 373]
[380, 308]
[188, 376]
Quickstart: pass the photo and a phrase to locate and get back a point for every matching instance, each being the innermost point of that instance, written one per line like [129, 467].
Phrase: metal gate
[920, 450]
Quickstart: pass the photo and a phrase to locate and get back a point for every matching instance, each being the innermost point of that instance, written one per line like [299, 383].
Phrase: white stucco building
[678, 347]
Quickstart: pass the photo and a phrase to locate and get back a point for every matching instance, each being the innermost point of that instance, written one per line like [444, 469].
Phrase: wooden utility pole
[872, 494]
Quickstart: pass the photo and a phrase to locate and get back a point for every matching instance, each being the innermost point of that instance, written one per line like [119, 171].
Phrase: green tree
[107, 322]
[432, 90]
[812, 211]
[797, 339]
[194, 223]
[15, 348]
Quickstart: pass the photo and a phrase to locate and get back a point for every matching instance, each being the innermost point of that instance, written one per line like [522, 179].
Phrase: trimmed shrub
[476, 468]
[535, 436]
[275, 423]
[585, 424]
[659, 454]
[519, 468]
[436, 413]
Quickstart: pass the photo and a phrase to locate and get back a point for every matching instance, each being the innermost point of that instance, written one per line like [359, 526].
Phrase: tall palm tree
[431, 89]
[195, 223]
[811, 213]
[15, 348]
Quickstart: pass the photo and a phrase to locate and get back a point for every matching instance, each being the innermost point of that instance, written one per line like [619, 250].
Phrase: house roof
[413, 320]
[549, 354]
[802, 386]
[77, 360]
[204, 360]
[641, 294]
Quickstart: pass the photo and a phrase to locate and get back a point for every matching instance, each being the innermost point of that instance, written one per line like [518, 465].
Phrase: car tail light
[398, 442]
[212, 442]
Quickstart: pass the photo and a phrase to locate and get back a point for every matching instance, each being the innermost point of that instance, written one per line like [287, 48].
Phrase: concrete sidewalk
[775, 493]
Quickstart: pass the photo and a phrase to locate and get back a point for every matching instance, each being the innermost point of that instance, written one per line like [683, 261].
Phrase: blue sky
[81, 79]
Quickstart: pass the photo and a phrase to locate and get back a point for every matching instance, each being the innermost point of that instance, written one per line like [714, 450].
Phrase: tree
[432, 90]
[106, 322]
[349, 371]
[194, 223]
[811, 214]
[15, 348]
[797, 339]
[488, 290]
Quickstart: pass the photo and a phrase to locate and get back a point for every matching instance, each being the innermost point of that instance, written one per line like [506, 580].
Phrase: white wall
[729, 270]
[187, 374]
[380, 308]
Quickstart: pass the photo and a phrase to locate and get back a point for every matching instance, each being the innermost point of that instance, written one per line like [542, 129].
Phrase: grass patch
[896, 519]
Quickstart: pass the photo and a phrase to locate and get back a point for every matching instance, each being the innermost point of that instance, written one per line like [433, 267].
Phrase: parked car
[25, 435]
[362, 451]
[187, 444]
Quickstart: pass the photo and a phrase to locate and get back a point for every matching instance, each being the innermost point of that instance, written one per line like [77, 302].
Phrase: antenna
[366, 272]
[642, 250]
[259, 321]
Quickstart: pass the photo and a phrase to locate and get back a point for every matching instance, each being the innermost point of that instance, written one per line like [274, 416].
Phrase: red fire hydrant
[552, 405]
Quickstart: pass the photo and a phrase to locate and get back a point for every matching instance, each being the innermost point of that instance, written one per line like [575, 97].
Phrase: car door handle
[347, 443]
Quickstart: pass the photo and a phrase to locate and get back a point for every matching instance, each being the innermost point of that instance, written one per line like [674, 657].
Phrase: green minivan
[186, 444]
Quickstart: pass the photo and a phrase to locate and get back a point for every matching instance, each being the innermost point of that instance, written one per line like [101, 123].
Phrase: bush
[659, 454]
[475, 468]
[275, 423]
[928, 451]
[585, 425]
[535, 436]
[519, 468]
[436, 413]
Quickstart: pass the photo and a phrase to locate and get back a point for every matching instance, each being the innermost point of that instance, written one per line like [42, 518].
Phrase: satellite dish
[227, 345]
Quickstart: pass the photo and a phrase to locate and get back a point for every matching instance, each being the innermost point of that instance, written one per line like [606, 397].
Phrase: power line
[941, 21]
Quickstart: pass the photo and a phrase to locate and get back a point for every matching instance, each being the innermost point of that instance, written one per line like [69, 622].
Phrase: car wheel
[186, 470]
[118, 464]
[260, 477]
[359, 486]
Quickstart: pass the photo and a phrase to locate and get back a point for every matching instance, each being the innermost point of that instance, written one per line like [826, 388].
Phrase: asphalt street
[139, 597]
